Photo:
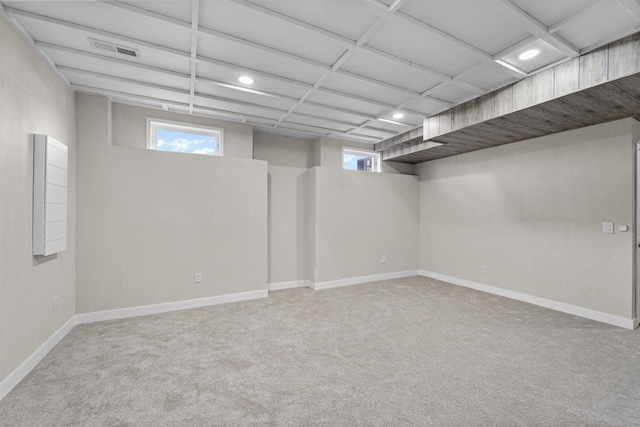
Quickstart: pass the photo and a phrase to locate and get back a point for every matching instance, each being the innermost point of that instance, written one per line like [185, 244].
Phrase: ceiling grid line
[537, 29]
[203, 31]
[369, 32]
[366, 35]
[49, 46]
[221, 114]
[348, 69]
[186, 56]
[182, 54]
[421, 28]
[359, 47]
[195, 13]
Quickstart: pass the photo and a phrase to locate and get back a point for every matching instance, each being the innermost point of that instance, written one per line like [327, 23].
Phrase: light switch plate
[607, 227]
[623, 228]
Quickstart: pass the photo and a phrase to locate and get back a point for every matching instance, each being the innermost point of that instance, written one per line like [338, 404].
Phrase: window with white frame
[176, 137]
[360, 160]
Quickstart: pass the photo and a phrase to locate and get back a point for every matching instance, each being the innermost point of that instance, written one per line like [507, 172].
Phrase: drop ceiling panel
[470, 21]
[102, 16]
[178, 9]
[346, 103]
[297, 126]
[382, 69]
[423, 105]
[242, 56]
[485, 76]
[221, 105]
[338, 17]
[99, 83]
[257, 27]
[226, 75]
[428, 51]
[374, 133]
[104, 65]
[392, 127]
[364, 89]
[589, 28]
[285, 132]
[333, 126]
[451, 94]
[551, 12]
[316, 110]
[76, 39]
[241, 96]
[140, 79]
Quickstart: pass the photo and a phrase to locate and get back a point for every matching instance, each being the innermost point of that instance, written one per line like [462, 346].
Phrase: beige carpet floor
[394, 353]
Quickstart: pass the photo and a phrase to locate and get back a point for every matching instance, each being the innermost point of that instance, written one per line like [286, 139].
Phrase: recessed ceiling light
[398, 116]
[245, 80]
[529, 54]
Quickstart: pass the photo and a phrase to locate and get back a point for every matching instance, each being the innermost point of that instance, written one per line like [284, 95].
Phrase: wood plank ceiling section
[598, 87]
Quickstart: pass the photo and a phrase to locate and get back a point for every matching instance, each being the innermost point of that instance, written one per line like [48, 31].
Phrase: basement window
[360, 160]
[176, 137]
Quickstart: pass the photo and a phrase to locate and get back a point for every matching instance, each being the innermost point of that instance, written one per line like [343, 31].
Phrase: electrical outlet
[198, 278]
[383, 259]
[483, 269]
[56, 302]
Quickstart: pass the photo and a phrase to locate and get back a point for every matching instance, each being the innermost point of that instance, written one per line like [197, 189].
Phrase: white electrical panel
[50, 166]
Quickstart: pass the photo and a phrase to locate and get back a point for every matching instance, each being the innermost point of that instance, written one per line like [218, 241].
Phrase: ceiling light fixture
[245, 80]
[529, 54]
[398, 116]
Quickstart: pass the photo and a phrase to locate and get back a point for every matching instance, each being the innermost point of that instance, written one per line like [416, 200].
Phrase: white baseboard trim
[542, 302]
[168, 306]
[277, 286]
[27, 366]
[362, 279]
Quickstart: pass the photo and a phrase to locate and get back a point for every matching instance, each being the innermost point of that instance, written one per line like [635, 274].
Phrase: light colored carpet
[400, 352]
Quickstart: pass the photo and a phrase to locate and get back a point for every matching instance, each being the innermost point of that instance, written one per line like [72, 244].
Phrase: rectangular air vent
[113, 48]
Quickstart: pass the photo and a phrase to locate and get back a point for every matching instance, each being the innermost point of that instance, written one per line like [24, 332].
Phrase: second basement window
[178, 137]
[360, 160]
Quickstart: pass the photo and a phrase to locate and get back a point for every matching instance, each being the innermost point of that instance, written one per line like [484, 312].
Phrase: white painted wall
[295, 209]
[308, 184]
[288, 160]
[33, 99]
[532, 212]
[280, 150]
[359, 216]
[129, 129]
[286, 223]
[636, 300]
[148, 220]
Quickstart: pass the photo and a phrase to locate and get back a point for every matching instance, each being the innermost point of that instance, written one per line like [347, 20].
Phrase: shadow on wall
[39, 259]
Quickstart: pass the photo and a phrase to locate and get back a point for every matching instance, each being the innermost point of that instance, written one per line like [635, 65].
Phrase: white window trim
[377, 165]
[182, 126]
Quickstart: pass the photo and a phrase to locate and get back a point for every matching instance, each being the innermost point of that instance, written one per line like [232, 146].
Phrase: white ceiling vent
[113, 48]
